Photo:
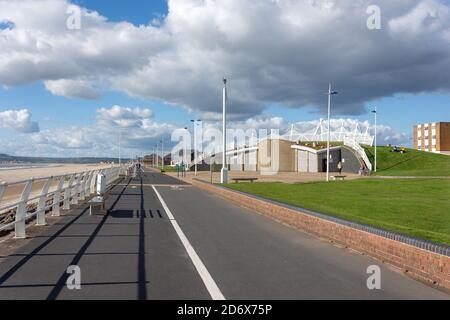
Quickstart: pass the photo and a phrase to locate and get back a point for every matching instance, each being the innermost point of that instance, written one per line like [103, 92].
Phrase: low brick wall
[419, 263]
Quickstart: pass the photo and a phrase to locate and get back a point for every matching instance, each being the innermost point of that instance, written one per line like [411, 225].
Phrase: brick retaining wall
[419, 263]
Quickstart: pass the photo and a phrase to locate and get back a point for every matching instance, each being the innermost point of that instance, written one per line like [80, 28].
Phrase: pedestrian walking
[339, 166]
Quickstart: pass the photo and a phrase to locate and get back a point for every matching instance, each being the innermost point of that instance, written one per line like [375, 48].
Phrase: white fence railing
[360, 151]
[22, 200]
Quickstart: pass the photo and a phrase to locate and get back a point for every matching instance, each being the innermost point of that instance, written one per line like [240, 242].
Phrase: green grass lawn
[170, 169]
[419, 208]
[412, 163]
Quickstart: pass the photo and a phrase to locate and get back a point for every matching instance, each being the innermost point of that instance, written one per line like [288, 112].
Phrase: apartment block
[432, 137]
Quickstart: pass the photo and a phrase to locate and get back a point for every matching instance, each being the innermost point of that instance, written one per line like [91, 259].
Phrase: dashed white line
[208, 281]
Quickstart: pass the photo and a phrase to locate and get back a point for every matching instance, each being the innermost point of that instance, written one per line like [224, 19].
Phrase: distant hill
[412, 163]
[83, 160]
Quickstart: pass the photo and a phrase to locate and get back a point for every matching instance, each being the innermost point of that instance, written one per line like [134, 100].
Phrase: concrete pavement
[162, 242]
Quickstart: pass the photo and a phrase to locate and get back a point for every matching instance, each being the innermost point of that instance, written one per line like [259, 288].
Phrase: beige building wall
[416, 139]
[432, 137]
[444, 136]
[276, 155]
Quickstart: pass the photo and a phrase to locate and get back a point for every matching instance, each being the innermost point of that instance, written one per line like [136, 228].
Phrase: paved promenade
[163, 239]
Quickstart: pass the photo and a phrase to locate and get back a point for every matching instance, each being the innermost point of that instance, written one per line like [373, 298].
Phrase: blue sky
[399, 110]
[134, 11]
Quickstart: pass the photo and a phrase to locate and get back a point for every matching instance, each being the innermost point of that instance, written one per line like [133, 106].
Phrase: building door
[313, 163]
[302, 161]
[324, 165]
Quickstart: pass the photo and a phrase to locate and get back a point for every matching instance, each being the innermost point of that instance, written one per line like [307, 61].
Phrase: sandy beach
[18, 174]
[13, 175]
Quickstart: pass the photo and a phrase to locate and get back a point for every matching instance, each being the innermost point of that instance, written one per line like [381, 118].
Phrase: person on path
[339, 167]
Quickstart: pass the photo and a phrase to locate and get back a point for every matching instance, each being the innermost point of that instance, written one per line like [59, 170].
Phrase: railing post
[21, 213]
[89, 183]
[40, 216]
[93, 182]
[81, 188]
[57, 198]
[75, 189]
[3, 187]
[68, 193]
[104, 172]
[86, 184]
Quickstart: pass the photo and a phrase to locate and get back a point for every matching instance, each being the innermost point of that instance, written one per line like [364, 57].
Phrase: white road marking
[209, 282]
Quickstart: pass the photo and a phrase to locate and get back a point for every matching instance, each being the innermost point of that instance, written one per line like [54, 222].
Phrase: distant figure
[138, 169]
[362, 171]
[339, 167]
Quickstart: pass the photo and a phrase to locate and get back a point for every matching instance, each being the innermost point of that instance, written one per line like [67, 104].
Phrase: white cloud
[139, 133]
[18, 120]
[282, 52]
[426, 18]
[72, 89]
[385, 134]
[124, 117]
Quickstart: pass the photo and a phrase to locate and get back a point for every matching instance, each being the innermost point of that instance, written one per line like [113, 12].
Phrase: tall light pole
[195, 122]
[120, 147]
[157, 155]
[375, 112]
[185, 158]
[224, 172]
[330, 93]
[162, 155]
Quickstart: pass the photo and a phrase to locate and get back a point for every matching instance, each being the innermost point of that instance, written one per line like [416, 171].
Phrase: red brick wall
[423, 265]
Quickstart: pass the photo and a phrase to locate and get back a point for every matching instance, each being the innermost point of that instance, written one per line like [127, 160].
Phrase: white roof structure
[341, 134]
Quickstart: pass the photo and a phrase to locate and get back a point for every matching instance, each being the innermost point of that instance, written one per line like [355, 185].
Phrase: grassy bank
[419, 208]
[412, 163]
[170, 169]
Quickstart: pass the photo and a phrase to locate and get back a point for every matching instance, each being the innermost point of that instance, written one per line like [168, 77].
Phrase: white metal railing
[360, 151]
[22, 200]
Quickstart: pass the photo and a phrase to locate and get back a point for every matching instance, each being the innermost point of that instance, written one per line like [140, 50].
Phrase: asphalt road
[163, 239]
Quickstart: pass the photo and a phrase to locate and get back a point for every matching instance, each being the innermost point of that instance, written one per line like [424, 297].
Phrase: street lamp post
[330, 93]
[162, 155]
[185, 158]
[195, 122]
[224, 172]
[375, 112]
[120, 147]
[157, 155]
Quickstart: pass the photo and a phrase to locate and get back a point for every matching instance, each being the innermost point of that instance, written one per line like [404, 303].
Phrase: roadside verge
[422, 260]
